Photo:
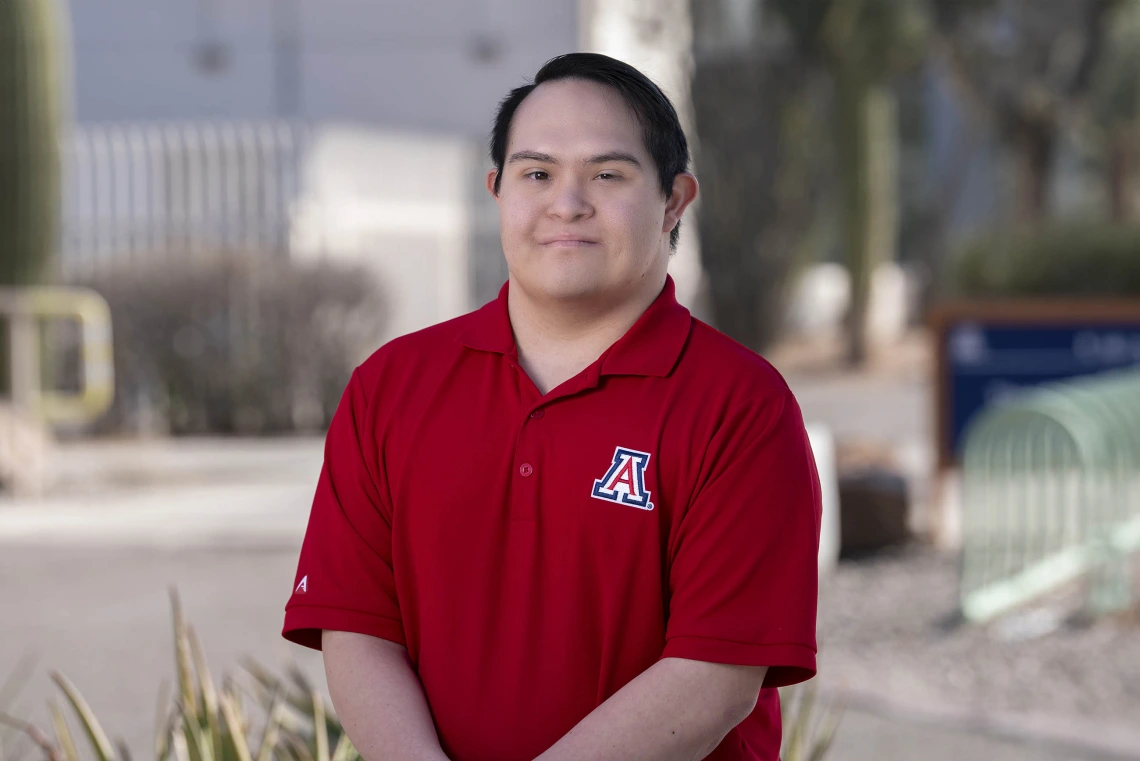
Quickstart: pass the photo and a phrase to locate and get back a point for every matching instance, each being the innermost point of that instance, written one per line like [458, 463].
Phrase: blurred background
[923, 212]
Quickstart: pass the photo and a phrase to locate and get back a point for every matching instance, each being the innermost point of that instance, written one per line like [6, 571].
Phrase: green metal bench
[1051, 493]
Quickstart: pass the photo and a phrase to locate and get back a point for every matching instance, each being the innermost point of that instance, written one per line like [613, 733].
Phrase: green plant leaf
[827, 734]
[191, 736]
[164, 720]
[178, 745]
[164, 739]
[99, 742]
[209, 694]
[62, 732]
[266, 683]
[300, 749]
[320, 728]
[233, 721]
[345, 751]
[271, 734]
[183, 659]
[300, 681]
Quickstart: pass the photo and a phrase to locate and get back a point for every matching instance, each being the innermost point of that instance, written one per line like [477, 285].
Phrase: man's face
[581, 210]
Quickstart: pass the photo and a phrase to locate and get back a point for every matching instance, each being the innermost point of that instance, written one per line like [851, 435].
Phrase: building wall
[398, 98]
[434, 65]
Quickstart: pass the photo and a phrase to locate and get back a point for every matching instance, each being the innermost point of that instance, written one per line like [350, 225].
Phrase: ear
[491, 175]
[684, 192]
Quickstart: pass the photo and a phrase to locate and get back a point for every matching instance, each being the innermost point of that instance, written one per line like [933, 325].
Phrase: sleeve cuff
[788, 663]
[304, 623]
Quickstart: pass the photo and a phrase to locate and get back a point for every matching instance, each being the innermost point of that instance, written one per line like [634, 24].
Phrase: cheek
[517, 215]
[634, 218]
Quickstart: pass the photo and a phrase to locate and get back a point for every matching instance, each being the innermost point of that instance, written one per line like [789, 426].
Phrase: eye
[608, 176]
[537, 174]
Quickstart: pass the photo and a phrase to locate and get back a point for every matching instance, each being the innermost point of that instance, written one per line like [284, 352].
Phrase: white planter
[823, 447]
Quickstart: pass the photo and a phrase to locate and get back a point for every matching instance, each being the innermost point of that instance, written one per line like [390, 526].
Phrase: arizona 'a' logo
[624, 483]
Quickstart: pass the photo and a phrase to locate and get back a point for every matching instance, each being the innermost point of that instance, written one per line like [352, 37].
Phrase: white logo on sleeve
[303, 586]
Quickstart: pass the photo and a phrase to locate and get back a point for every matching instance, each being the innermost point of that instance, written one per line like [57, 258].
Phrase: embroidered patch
[624, 482]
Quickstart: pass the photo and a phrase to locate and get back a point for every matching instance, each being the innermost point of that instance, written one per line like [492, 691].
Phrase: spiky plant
[204, 723]
[809, 725]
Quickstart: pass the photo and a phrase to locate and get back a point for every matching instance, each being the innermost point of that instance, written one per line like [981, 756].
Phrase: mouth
[568, 241]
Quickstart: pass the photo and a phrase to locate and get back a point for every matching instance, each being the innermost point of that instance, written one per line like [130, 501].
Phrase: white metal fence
[135, 191]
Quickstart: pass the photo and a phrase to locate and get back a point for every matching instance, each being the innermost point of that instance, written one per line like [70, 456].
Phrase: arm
[677, 710]
[379, 699]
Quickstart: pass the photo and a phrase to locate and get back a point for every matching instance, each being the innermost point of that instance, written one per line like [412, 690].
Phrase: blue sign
[987, 362]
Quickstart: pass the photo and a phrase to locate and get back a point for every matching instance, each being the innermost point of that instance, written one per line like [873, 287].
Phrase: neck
[558, 340]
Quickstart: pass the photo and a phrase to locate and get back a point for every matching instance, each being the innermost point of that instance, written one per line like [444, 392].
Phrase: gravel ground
[888, 624]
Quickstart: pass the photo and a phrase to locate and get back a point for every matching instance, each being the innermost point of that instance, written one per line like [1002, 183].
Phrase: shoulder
[729, 369]
[412, 356]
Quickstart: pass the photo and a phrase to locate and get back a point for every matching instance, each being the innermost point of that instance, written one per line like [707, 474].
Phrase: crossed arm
[677, 710]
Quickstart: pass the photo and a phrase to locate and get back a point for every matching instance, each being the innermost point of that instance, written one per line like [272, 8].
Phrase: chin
[564, 278]
[571, 286]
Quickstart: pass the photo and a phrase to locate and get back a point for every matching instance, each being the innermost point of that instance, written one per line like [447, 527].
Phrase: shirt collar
[651, 347]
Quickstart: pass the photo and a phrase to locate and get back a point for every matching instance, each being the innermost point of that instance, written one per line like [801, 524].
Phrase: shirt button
[526, 469]
[539, 413]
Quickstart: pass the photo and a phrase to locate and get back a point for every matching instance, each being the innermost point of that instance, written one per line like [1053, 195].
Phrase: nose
[569, 200]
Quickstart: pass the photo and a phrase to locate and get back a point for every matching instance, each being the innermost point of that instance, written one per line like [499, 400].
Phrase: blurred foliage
[1076, 259]
[761, 156]
[1115, 96]
[1024, 67]
[1114, 107]
[809, 725]
[806, 102]
[205, 723]
[237, 344]
[1018, 77]
[862, 45]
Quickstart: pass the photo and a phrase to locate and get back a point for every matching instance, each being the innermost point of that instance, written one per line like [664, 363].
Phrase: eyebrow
[601, 158]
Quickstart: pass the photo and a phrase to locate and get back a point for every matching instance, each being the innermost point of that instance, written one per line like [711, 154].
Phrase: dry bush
[250, 344]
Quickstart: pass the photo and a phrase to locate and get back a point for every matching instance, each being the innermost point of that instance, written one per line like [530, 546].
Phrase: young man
[576, 523]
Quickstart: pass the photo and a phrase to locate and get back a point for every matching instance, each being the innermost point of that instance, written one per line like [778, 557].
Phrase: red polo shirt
[536, 553]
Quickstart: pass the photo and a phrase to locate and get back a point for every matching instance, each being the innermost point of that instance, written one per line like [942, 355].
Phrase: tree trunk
[866, 140]
[656, 36]
[1121, 157]
[1035, 142]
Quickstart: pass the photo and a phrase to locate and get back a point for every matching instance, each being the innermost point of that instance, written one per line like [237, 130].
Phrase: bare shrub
[246, 344]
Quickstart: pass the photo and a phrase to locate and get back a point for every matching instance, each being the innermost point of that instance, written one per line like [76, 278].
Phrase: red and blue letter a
[624, 482]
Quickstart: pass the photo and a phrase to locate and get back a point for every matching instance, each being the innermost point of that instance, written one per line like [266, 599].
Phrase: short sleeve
[345, 580]
[744, 572]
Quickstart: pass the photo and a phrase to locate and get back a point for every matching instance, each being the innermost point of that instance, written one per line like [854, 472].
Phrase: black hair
[664, 138]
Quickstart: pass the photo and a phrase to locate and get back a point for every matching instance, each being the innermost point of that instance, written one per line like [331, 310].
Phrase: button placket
[524, 493]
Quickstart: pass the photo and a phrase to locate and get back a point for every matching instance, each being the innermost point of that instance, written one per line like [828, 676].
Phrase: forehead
[573, 115]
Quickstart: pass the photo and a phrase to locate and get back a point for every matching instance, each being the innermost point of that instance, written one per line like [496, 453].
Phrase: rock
[24, 446]
[873, 504]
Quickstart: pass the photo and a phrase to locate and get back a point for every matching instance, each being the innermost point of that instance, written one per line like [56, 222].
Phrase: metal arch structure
[1051, 493]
